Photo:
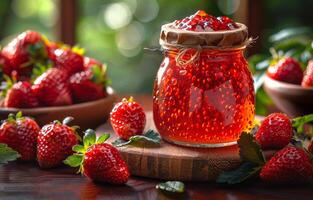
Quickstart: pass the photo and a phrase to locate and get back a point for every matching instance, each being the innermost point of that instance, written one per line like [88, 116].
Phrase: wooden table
[27, 181]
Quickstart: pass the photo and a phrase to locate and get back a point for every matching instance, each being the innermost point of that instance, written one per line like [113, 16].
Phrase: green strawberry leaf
[74, 160]
[299, 122]
[150, 136]
[7, 154]
[77, 49]
[102, 138]
[79, 148]
[250, 150]
[89, 138]
[171, 186]
[19, 115]
[244, 172]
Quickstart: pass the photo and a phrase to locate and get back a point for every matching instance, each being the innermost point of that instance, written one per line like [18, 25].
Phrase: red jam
[201, 21]
[203, 103]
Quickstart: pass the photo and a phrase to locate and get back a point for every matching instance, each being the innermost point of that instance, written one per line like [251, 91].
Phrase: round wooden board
[172, 162]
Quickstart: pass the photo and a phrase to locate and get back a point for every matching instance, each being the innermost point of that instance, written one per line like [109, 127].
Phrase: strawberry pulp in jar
[203, 92]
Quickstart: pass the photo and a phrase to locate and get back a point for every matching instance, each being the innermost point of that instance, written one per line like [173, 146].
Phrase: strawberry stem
[131, 99]
[299, 122]
[274, 53]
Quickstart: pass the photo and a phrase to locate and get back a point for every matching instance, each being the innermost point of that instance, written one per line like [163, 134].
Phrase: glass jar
[203, 95]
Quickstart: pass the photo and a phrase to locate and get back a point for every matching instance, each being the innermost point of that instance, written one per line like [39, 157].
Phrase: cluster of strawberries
[55, 143]
[287, 69]
[201, 21]
[58, 143]
[39, 72]
[291, 164]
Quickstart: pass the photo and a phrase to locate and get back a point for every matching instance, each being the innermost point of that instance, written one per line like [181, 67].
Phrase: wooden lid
[173, 37]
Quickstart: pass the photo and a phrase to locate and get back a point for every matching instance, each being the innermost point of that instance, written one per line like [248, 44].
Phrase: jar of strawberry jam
[203, 91]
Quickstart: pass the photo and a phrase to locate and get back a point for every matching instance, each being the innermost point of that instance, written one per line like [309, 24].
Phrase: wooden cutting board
[172, 162]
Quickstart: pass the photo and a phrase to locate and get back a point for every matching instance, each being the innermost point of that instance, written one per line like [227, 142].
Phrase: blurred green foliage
[131, 68]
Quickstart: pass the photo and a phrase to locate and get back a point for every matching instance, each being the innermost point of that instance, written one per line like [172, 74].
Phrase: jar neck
[205, 51]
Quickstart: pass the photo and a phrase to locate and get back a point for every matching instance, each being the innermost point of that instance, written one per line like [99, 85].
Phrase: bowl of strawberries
[289, 86]
[48, 80]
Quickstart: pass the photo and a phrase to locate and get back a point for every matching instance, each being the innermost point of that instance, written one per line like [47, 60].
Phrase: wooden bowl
[290, 98]
[86, 115]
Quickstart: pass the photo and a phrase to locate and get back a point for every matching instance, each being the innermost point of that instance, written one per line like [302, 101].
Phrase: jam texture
[203, 22]
[207, 101]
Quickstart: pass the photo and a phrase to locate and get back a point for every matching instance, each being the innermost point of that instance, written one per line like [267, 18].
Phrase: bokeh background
[117, 31]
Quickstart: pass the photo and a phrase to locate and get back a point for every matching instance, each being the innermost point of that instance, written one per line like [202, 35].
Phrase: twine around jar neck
[183, 49]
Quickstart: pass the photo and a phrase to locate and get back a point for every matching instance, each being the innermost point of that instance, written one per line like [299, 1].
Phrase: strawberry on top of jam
[203, 22]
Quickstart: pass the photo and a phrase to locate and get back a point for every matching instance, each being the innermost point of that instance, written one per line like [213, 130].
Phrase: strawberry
[52, 89]
[24, 51]
[285, 69]
[310, 147]
[20, 133]
[55, 142]
[69, 60]
[90, 62]
[287, 166]
[308, 75]
[5, 65]
[275, 131]
[88, 85]
[99, 161]
[20, 95]
[128, 118]
[51, 47]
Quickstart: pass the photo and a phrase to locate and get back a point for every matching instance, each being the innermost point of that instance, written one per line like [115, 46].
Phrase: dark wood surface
[27, 181]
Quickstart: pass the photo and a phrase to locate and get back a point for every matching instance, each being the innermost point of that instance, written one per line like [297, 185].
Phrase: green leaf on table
[150, 136]
[74, 160]
[244, 172]
[171, 186]
[250, 150]
[7, 154]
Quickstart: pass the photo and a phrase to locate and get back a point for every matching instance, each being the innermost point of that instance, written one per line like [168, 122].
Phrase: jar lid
[173, 37]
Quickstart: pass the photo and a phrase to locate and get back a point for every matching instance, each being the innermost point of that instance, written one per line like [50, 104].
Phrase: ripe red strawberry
[55, 142]
[20, 95]
[275, 131]
[5, 65]
[128, 118]
[99, 161]
[67, 59]
[90, 62]
[310, 148]
[20, 133]
[88, 85]
[308, 75]
[286, 69]
[287, 166]
[51, 47]
[103, 163]
[52, 89]
[26, 49]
